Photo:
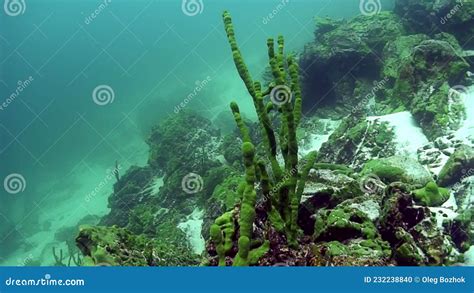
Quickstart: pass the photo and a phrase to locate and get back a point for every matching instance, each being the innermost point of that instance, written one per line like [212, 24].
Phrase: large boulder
[397, 168]
[342, 47]
[413, 232]
[433, 16]
[356, 141]
[325, 188]
[421, 71]
[459, 165]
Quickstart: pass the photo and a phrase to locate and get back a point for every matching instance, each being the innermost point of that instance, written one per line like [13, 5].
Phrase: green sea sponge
[431, 195]
[222, 232]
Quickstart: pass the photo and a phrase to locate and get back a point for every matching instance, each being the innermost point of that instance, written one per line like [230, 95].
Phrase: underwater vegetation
[362, 154]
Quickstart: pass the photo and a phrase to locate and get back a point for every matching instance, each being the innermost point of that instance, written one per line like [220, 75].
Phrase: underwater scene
[237, 133]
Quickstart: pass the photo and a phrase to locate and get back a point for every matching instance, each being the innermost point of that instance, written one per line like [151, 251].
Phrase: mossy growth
[360, 248]
[385, 171]
[431, 195]
[342, 223]
[228, 192]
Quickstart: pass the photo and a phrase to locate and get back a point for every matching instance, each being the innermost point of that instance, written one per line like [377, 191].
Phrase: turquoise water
[149, 56]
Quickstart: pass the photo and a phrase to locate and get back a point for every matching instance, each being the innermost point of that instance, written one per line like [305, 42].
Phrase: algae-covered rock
[421, 72]
[462, 229]
[459, 165]
[130, 191]
[413, 234]
[397, 168]
[428, 16]
[464, 191]
[114, 246]
[341, 47]
[324, 188]
[356, 141]
[185, 137]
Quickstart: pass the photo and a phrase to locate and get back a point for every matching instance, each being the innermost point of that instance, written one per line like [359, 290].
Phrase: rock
[443, 142]
[397, 168]
[460, 163]
[451, 16]
[130, 191]
[341, 47]
[462, 230]
[421, 70]
[324, 188]
[356, 141]
[113, 246]
[413, 234]
[464, 191]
